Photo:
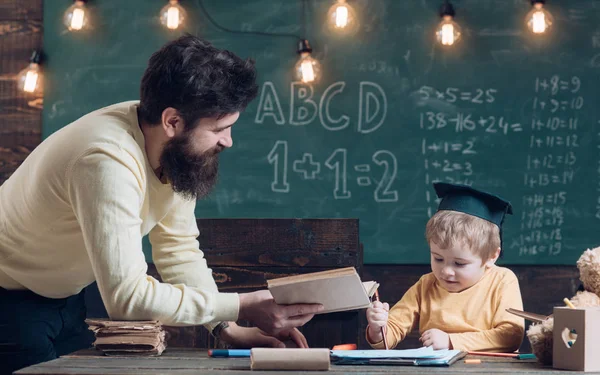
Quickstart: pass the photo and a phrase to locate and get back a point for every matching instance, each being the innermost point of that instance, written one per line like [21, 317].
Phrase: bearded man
[77, 208]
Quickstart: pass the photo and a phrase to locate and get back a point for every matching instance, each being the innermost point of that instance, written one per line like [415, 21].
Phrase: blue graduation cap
[463, 198]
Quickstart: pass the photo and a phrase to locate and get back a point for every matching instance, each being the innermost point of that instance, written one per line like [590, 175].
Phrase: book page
[312, 276]
[419, 353]
[370, 287]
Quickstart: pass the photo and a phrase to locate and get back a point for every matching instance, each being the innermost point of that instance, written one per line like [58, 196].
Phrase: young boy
[462, 303]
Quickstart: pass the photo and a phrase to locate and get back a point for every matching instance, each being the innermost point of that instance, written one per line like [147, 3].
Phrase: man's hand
[260, 309]
[436, 338]
[242, 337]
[377, 316]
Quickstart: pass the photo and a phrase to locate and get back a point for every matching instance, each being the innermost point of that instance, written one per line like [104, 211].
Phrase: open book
[424, 356]
[337, 290]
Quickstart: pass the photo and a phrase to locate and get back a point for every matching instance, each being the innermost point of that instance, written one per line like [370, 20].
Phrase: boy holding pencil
[462, 303]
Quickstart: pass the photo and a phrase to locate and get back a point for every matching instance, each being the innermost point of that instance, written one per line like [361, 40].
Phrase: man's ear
[171, 122]
[490, 262]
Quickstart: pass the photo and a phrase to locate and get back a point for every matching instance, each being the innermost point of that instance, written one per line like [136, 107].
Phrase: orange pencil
[382, 330]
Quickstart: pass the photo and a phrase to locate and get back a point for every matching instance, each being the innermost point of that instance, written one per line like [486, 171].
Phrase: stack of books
[128, 338]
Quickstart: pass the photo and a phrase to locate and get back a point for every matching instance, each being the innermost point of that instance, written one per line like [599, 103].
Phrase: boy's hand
[436, 338]
[377, 316]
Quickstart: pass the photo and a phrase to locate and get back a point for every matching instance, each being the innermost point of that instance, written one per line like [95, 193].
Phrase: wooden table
[178, 361]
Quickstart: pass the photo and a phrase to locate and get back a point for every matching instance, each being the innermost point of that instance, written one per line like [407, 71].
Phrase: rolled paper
[289, 359]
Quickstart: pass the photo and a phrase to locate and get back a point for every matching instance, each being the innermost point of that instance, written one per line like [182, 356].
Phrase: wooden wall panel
[306, 243]
[20, 114]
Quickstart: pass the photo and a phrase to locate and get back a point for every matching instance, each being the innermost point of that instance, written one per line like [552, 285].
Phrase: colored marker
[526, 356]
[472, 361]
[224, 353]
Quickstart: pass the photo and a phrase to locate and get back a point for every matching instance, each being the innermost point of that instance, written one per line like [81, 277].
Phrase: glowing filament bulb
[448, 34]
[172, 15]
[342, 19]
[448, 31]
[539, 22]
[28, 79]
[76, 17]
[308, 73]
[307, 69]
[539, 19]
[173, 18]
[341, 16]
[77, 20]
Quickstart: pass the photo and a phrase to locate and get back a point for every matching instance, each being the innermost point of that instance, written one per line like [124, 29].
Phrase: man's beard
[190, 174]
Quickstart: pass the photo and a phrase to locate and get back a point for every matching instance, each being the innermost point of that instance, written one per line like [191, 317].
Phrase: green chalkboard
[502, 110]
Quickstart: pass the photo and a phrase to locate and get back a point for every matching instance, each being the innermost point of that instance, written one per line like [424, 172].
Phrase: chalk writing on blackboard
[305, 106]
[308, 168]
[550, 164]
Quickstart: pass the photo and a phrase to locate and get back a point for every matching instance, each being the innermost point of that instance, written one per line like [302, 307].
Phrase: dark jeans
[36, 329]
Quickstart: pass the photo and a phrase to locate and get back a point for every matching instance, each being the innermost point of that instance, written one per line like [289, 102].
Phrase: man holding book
[77, 208]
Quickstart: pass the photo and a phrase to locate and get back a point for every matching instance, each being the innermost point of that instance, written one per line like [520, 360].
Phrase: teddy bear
[540, 335]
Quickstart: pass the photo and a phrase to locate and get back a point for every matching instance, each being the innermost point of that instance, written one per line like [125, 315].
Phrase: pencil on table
[568, 303]
[382, 330]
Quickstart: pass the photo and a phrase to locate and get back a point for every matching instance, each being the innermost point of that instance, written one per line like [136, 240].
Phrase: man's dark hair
[198, 79]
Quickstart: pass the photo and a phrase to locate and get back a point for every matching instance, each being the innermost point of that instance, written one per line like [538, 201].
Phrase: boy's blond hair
[452, 228]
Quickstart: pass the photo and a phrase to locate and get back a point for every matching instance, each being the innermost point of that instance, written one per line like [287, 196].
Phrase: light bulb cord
[261, 33]
[304, 19]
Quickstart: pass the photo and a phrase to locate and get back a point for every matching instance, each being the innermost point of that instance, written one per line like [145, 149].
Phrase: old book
[130, 338]
[337, 290]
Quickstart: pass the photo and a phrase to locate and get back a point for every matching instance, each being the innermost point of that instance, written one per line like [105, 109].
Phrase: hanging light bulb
[538, 19]
[28, 79]
[76, 16]
[341, 18]
[307, 69]
[448, 32]
[172, 15]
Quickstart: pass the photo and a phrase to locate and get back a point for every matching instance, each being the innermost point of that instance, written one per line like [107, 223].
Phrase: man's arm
[106, 192]
[176, 252]
[175, 249]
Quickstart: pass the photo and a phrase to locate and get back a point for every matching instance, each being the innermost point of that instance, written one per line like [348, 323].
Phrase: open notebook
[424, 356]
[337, 290]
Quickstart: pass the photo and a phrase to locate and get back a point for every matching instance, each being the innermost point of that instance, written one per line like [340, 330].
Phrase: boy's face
[457, 268]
